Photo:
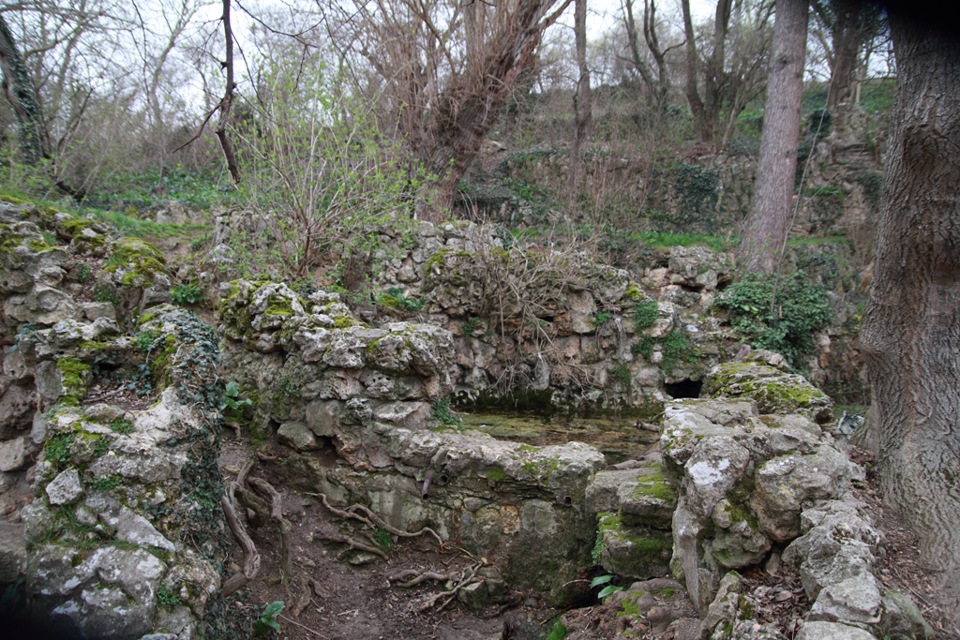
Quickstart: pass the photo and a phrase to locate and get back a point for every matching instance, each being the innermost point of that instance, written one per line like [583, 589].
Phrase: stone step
[635, 552]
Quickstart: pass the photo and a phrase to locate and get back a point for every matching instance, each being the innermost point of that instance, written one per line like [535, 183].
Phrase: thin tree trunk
[911, 333]
[227, 102]
[768, 222]
[582, 98]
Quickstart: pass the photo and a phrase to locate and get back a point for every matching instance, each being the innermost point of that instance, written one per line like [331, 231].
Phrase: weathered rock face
[125, 534]
[326, 381]
[744, 477]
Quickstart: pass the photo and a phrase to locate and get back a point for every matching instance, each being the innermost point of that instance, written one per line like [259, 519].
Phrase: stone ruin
[112, 509]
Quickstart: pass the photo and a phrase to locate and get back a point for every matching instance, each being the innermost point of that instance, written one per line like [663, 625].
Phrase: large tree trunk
[911, 334]
[19, 91]
[768, 222]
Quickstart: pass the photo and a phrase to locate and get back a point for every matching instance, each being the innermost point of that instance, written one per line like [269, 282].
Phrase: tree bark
[704, 132]
[582, 98]
[227, 101]
[768, 222]
[34, 145]
[911, 333]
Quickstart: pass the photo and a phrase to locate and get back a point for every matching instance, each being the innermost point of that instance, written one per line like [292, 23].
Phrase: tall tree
[911, 332]
[19, 90]
[768, 221]
[851, 25]
[658, 87]
[720, 81]
[582, 97]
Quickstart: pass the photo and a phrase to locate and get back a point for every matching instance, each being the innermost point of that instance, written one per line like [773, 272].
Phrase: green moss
[628, 607]
[140, 261]
[39, 246]
[634, 293]
[73, 226]
[279, 306]
[73, 377]
[343, 322]
[435, 260]
[496, 475]
[654, 486]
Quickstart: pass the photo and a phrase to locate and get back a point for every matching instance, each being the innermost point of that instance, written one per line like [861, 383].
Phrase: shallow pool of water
[618, 439]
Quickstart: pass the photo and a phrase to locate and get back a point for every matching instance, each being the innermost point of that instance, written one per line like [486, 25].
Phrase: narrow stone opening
[684, 388]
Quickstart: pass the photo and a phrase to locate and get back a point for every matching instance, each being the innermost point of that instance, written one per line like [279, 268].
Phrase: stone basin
[617, 438]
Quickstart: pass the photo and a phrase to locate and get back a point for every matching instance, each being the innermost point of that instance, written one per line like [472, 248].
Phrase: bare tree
[723, 80]
[658, 86]
[911, 331]
[768, 222]
[444, 87]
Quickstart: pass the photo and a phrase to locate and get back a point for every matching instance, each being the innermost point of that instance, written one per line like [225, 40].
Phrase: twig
[302, 626]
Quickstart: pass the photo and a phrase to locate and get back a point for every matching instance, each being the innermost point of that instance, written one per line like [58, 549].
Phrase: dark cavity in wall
[684, 388]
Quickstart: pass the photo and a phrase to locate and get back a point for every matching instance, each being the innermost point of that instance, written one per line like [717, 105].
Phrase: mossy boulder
[773, 390]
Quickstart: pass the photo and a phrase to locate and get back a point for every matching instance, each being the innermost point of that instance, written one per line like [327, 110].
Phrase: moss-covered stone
[74, 379]
[138, 261]
[773, 390]
[636, 552]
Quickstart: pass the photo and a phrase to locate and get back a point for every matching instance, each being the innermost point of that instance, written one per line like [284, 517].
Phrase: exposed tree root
[466, 577]
[372, 520]
[276, 512]
[251, 557]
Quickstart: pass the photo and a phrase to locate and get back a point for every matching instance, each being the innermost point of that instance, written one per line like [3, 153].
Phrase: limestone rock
[636, 552]
[774, 391]
[14, 453]
[855, 599]
[297, 435]
[65, 488]
[832, 631]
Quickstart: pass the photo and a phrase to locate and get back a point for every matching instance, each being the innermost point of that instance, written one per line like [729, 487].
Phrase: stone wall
[108, 448]
[546, 327]
[358, 407]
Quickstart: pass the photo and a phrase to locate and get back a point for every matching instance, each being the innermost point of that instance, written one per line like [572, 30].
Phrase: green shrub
[645, 315]
[186, 293]
[778, 318]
